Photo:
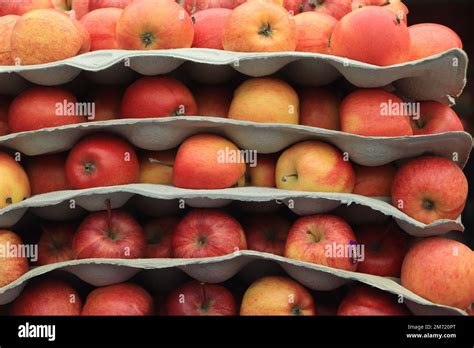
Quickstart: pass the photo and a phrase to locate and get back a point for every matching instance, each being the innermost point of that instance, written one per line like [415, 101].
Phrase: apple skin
[440, 270]
[314, 166]
[374, 181]
[362, 36]
[158, 233]
[361, 113]
[36, 108]
[102, 160]
[436, 117]
[213, 100]
[309, 237]
[47, 297]
[98, 4]
[430, 188]
[266, 233]
[157, 173]
[55, 243]
[263, 174]
[207, 233]
[101, 26]
[335, 8]
[208, 172]
[154, 25]
[47, 173]
[199, 299]
[108, 102]
[124, 299]
[193, 6]
[139, 100]
[314, 31]
[265, 100]
[319, 108]
[275, 295]
[4, 106]
[428, 39]
[6, 27]
[385, 248]
[14, 186]
[19, 8]
[397, 7]
[368, 301]
[209, 27]
[260, 26]
[109, 234]
[11, 268]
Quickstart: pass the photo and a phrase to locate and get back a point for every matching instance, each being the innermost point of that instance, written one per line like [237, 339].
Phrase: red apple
[102, 160]
[209, 27]
[362, 35]
[263, 173]
[314, 31]
[319, 108]
[12, 266]
[440, 270]
[428, 39]
[158, 234]
[154, 25]
[197, 299]
[6, 27]
[43, 107]
[385, 247]
[395, 6]
[140, 99]
[55, 243]
[107, 101]
[16, 7]
[322, 239]
[98, 4]
[112, 234]
[430, 188]
[47, 297]
[374, 181]
[4, 106]
[435, 118]
[213, 100]
[365, 300]
[125, 299]
[335, 8]
[47, 173]
[193, 6]
[207, 233]
[266, 233]
[101, 25]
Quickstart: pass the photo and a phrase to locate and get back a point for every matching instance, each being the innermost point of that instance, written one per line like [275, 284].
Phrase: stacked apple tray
[441, 78]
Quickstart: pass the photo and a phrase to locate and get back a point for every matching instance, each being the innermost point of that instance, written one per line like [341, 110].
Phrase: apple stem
[285, 177]
[154, 160]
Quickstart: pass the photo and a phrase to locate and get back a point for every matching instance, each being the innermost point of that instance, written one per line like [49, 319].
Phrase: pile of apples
[369, 31]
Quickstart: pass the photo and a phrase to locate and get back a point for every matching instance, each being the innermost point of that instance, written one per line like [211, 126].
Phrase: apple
[124, 299]
[374, 181]
[428, 39]
[208, 161]
[362, 35]
[209, 27]
[193, 6]
[197, 299]
[102, 160]
[314, 166]
[98, 4]
[314, 31]
[263, 173]
[265, 100]
[207, 233]
[112, 234]
[322, 239]
[4, 106]
[55, 243]
[140, 101]
[107, 101]
[335, 8]
[14, 186]
[43, 107]
[275, 295]
[365, 300]
[158, 234]
[397, 7]
[440, 270]
[101, 26]
[154, 25]
[260, 26]
[47, 173]
[12, 266]
[47, 297]
[156, 167]
[16, 7]
[385, 247]
[375, 112]
[266, 233]
[65, 38]
[6, 27]
[436, 117]
[430, 188]
[213, 100]
[319, 107]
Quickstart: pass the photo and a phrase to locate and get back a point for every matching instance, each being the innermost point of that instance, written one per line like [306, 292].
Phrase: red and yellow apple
[436, 117]
[335, 8]
[263, 173]
[156, 167]
[6, 28]
[101, 25]
[319, 108]
[12, 266]
[397, 7]
[314, 31]
[209, 27]
[14, 186]
[19, 8]
[428, 39]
